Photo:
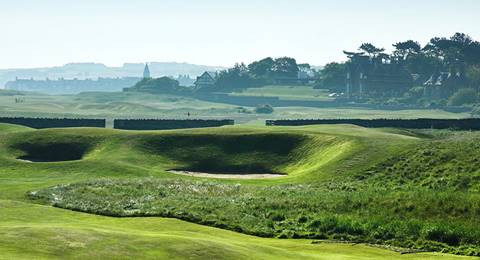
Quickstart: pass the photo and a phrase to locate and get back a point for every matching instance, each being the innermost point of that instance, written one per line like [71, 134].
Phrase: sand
[228, 176]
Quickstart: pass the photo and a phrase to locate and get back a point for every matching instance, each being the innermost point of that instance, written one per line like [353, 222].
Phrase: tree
[461, 40]
[264, 109]
[236, 78]
[332, 77]
[473, 74]
[463, 97]
[304, 67]
[261, 68]
[423, 64]
[404, 50]
[371, 49]
[454, 51]
[472, 53]
[285, 67]
[163, 85]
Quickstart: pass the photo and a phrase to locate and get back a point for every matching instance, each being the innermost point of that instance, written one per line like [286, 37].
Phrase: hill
[98, 70]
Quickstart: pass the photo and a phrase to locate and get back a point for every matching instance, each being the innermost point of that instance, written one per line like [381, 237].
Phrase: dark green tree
[370, 49]
[404, 50]
[236, 78]
[261, 68]
[455, 51]
[285, 67]
[473, 74]
[332, 77]
[472, 53]
[304, 67]
[423, 64]
[463, 97]
[163, 85]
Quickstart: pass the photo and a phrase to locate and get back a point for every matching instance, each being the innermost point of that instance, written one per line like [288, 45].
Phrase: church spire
[146, 72]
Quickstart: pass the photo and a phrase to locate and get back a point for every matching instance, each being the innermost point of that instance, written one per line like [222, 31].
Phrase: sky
[36, 33]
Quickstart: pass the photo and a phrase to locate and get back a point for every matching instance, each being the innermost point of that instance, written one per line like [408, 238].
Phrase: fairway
[286, 92]
[313, 155]
[143, 105]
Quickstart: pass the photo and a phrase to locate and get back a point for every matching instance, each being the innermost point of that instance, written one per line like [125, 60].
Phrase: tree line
[241, 76]
[259, 73]
[457, 55]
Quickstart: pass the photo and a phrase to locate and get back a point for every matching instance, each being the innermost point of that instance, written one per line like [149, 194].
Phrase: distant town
[74, 78]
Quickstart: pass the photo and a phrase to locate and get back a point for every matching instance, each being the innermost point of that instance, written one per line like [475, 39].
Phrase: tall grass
[445, 221]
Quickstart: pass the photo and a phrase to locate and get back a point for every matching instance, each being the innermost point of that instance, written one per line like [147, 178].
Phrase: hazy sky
[36, 33]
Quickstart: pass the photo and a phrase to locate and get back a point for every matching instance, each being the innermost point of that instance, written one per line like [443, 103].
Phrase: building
[185, 80]
[302, 78]
[71, 86]
[146, 72]
[206, 80]
[444, 84]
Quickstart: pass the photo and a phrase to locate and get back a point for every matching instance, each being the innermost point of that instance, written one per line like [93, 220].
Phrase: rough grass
[423, 219]
[449, 160]
[321, 197]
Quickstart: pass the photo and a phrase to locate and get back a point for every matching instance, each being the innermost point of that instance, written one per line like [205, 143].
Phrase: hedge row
[40, 123]
[161, 124]
[421, 123]
[128, 124]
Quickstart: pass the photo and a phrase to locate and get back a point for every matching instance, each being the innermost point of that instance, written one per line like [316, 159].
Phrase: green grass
[287, 92]
[449, 160]
[30, 231]
[401, 218]
[128, 168]
[140, 105]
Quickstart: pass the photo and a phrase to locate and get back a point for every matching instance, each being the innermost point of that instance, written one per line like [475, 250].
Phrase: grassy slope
[29, 230]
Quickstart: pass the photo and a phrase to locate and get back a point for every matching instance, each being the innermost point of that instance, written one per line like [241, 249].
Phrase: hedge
[421, 123]
[162, 124]
[40, 123]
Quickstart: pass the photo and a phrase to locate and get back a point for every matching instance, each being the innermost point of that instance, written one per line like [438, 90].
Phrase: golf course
[320, 192]
[225, 130]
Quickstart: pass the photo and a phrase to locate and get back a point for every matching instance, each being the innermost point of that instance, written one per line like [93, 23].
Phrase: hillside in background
[96, 70]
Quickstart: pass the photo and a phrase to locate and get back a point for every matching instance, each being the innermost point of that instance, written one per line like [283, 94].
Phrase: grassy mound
[451, 160]
[234, 151]
[9, 128]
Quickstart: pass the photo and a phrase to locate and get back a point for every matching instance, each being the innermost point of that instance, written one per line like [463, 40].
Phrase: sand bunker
[25, 160]
[34, 160]
[227, 176]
